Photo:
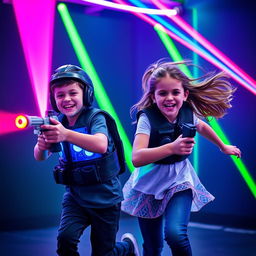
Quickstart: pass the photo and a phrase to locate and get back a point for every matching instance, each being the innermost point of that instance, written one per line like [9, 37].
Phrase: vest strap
[163, 132]
[87, 172]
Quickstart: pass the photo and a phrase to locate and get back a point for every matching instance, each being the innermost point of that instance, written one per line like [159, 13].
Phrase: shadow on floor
[206, 240]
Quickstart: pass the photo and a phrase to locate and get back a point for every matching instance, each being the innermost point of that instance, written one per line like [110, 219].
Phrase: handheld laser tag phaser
[188, 130]
[23, 121]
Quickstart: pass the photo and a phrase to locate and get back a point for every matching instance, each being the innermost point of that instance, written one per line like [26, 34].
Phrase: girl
[164, 187]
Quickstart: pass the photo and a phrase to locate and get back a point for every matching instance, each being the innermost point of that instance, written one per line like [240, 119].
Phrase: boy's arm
[205, 130]
[96, 143]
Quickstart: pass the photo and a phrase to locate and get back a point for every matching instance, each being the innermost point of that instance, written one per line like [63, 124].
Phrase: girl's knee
[176, 235]
[153, 247]
[178, 242]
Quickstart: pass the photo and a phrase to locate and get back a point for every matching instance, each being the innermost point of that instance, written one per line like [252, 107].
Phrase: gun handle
[55, 147]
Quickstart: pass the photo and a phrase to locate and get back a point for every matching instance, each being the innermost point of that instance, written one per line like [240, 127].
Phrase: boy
[89, 166]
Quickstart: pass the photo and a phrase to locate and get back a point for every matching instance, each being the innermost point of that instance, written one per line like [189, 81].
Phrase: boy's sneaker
[128, 237]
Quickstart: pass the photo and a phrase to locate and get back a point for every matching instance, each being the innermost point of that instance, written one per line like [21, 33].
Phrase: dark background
[121, 46]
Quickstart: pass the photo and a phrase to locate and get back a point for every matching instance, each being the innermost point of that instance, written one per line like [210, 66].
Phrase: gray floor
[206, 240]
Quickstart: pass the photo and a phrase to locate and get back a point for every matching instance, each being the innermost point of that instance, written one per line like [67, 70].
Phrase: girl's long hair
[209, 95]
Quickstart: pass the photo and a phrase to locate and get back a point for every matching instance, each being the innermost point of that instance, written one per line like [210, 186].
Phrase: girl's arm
[96, 143]
[142, 155]
[205, 130]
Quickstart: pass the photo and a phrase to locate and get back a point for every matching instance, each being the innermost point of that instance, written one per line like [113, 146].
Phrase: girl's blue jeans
[175, 221]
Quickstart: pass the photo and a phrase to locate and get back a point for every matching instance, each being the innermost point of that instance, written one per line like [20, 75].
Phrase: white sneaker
[128, 237]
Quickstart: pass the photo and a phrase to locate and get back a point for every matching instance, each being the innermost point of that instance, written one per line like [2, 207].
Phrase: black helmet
[75, 73]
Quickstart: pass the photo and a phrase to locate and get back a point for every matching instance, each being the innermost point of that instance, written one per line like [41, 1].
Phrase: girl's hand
[55, 132]
[183, 146]
[42, 144]
[231, 150]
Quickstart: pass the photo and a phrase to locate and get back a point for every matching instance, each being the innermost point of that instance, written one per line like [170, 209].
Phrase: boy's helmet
[75, 73]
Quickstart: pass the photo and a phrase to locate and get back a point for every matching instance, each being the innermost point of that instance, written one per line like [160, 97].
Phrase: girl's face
[69, 101]
[169, 96]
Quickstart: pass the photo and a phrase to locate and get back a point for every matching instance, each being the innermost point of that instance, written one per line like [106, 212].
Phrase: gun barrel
[23, 121]
[35, 120]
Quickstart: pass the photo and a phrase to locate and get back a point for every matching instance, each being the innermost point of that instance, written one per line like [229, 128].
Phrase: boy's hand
[42, 144]
[183, 146]
[55, 132]
[231, 150]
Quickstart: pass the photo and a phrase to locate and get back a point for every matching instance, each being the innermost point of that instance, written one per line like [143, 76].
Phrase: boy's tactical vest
[163, 132]
[80, 167]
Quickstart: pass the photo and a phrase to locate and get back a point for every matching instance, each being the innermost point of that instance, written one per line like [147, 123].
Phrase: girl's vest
[163, 132]
[80, 167]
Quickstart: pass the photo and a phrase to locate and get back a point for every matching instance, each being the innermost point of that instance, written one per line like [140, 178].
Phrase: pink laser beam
[210, 47]
[7, 124]
[191, 47]
[35, 19]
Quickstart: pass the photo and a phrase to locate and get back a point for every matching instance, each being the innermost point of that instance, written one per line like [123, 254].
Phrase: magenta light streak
[189, 46]
[210, 47]
[7, 124]
[35, 19]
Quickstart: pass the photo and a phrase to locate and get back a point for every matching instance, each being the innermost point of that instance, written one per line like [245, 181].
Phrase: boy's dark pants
[104, 226]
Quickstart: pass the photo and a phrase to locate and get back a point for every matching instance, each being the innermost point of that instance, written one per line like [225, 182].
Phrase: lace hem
[142, 205]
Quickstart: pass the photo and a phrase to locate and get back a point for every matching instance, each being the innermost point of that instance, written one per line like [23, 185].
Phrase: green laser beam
[195, 74]
[237, 161]
[195, 26]
[100, 93]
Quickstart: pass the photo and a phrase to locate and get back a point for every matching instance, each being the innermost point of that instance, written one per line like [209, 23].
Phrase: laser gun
[188, 130]
[23, 121]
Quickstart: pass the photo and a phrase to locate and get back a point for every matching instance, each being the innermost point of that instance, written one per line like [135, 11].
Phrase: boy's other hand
[42, 144]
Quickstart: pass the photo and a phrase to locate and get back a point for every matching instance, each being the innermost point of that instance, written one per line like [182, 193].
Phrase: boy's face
[69, 100]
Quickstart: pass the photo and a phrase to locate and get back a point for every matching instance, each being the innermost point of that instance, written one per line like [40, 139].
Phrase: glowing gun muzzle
[21, 122]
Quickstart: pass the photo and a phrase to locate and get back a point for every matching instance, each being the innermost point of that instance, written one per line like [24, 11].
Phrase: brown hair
[209, 95]
[65, 82]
